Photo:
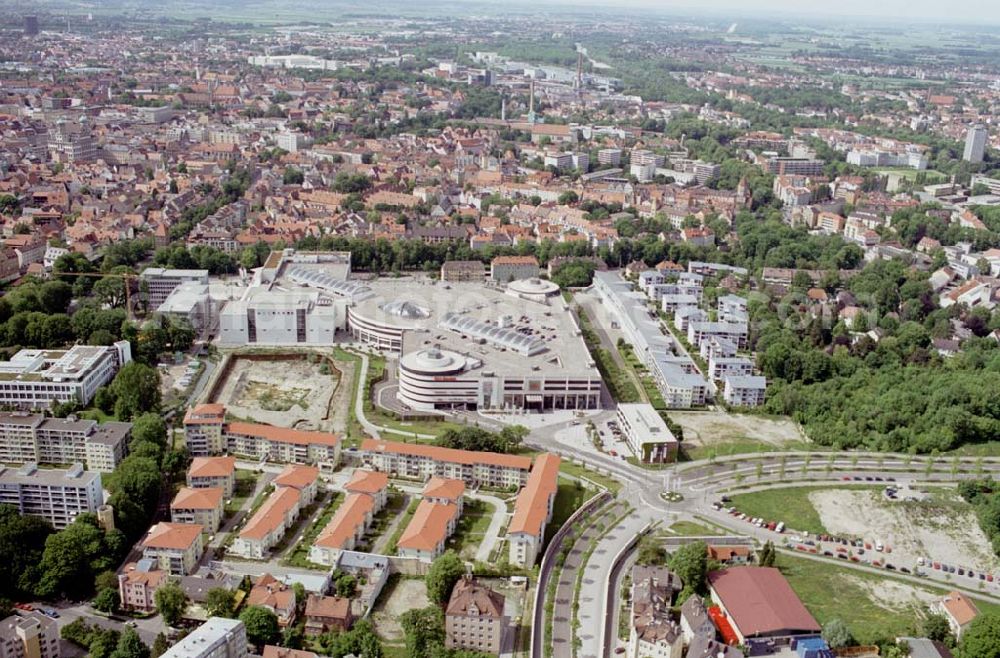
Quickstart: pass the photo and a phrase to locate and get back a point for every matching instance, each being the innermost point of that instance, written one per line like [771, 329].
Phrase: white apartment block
[745, 391]
[295, 317]
[57, 496]
[26, 438]
[216, 638]
[735, 332]
[721, 367]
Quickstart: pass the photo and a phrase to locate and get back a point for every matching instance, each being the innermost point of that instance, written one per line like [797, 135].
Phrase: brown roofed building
[760, 603]
[175, 547]
[959, 610]
[422, 461]
[274, 595]
[305, 479]
[268, 525]
[207, 472]
[463, 270]
[200, 506]
[425, 536]
[474, 619]
[137, 584]
[444, 491]
[203, 429]
[326, 613]
[504, 269]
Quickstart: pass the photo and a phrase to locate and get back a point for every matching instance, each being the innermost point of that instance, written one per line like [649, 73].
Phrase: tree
[936, 628]
[293, 176]
[981, 639]
[107, 600]
[22, 542]
[424, 630]
[444, 572]
[568, 197]
[150, 427]
[690, 562]
[220, 602]
[651, 552]
[110, 291]
[171, 602]
[766, 555]
[160, 646]
[137, 390]
[72, 557]
[837, 634]
[130, 646]
[261, 624]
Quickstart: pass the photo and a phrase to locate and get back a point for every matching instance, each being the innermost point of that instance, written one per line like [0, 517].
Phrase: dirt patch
[408, 594]
[942, 527]
[708, 428]
[892, 595]
[287, 392]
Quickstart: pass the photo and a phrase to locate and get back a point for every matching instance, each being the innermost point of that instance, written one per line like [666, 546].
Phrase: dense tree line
[507, 440]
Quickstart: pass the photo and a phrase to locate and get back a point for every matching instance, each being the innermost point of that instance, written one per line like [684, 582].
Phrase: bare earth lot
[941, 527]
[705, 429]
[408, 594]
[286, 393]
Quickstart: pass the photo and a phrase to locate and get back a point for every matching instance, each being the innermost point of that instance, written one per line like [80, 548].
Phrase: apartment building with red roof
[533, 511]
[202, 506]
[367, 494]
[209, 472]
[174, 547]
[268, 524]
[421, 461]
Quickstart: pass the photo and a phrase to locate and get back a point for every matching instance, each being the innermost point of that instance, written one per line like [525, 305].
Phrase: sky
[946, 11]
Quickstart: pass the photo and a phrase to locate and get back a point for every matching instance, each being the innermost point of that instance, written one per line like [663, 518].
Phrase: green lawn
[691, 529]
[472, 527]
[299, 557]
[575, 470]
[569, 497]
[741, 446]
[830, 592]
[395, 504]
[390, 548]
[790, 505]
[245, 483]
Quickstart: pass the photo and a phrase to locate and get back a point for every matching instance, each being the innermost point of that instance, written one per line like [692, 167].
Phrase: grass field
[575, 470]
[853, 603]
[569, 497]
[690, 529]
[740, 446]
[472, 527]
[790, 504]
[245, 483]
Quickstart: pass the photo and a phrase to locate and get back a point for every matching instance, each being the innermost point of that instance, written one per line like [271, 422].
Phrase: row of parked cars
[27, 607]
[853, 549]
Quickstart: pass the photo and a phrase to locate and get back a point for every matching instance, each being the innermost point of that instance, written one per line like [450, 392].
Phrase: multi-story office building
[533, 510]
[37, 379]
[26, 437]
[420, 461]
[157, 283]
[32, 635]
[57, 496]
[474, 619]
[975, 143]
[216, 638]
[647, 433]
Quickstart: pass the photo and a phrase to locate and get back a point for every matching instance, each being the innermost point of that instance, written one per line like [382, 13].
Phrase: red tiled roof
[469, 457]
[760, 601]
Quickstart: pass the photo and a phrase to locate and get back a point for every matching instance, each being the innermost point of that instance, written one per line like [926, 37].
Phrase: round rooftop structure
[406, 309]
[533, 287]
[433, 361]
